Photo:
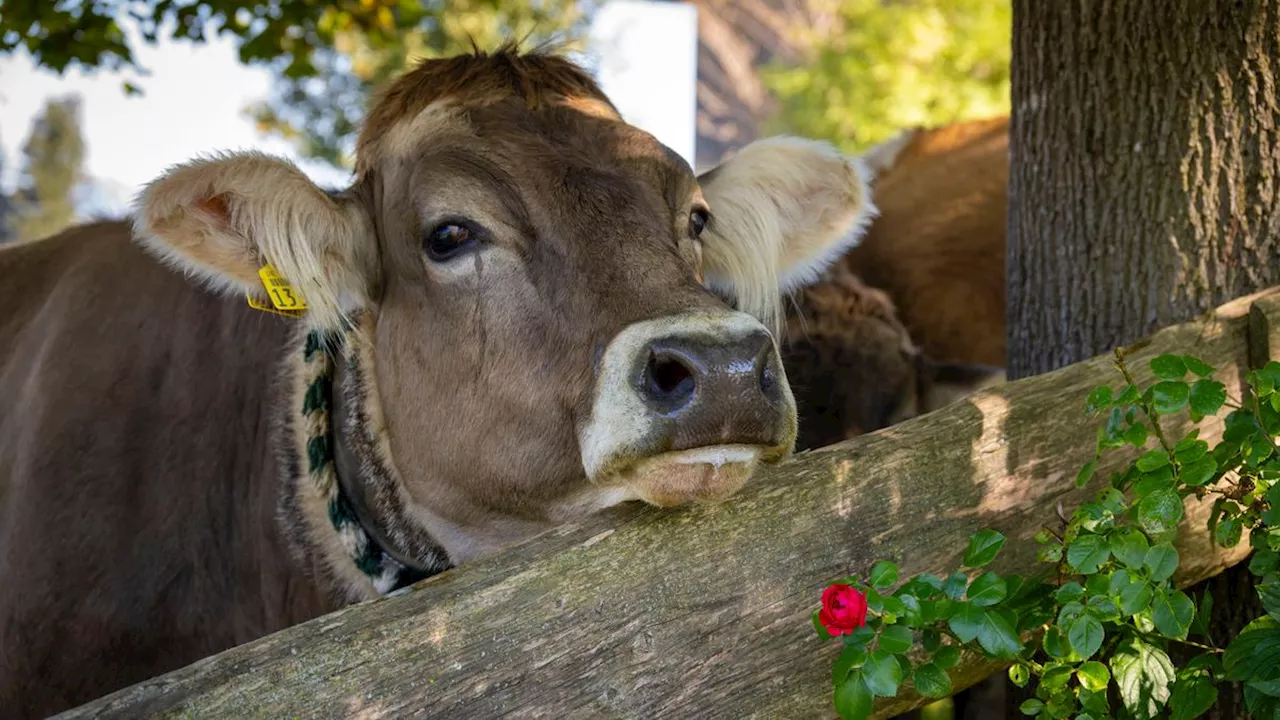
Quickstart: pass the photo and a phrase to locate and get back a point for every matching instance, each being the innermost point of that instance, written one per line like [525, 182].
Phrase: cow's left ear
[225, 218]
[783, 209]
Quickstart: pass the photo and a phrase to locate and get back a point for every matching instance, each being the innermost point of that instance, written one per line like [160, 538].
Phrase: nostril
[767, 374]
[668, 377]
[768, 379]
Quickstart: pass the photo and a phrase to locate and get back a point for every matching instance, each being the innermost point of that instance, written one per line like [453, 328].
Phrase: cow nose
[713, 391]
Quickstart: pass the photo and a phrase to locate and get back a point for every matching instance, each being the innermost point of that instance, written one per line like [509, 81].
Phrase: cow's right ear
[225, 218]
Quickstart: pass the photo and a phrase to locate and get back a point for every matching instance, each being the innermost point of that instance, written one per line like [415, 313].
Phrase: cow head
[853, 367]
[524, 277]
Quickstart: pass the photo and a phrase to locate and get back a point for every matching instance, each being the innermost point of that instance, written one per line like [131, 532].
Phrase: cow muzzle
[686, 407]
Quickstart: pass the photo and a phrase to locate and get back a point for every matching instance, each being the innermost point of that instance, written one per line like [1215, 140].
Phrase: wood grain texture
[705, 612]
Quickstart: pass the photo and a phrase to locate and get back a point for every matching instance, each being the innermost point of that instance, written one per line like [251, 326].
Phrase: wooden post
[706, 611]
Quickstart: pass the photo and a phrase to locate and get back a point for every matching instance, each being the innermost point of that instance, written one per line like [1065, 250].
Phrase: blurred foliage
[878, 66]
[325, 53]
[53, 168]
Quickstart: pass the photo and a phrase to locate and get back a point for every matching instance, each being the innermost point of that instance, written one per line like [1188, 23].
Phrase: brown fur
[913, 317]
[154, 475]
[854, 368]
[938, 245]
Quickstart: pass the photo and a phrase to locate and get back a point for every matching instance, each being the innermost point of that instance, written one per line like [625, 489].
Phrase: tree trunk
[1145, 167]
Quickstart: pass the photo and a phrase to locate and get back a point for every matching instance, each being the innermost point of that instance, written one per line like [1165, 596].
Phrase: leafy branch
[1095, 640]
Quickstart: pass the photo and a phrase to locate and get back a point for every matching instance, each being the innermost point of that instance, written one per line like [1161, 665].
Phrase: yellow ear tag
[287, 301]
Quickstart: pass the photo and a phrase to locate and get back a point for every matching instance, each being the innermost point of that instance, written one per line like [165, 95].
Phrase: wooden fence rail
[705, 612]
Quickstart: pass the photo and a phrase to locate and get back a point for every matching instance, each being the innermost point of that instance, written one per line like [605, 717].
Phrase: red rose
[844, 609]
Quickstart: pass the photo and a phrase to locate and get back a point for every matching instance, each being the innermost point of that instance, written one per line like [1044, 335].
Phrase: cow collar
[345, 509]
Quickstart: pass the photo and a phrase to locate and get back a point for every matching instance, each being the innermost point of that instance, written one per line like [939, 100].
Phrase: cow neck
[348, 509]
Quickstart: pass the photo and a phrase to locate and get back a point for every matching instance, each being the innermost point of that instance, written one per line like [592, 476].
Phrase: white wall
[645, 56]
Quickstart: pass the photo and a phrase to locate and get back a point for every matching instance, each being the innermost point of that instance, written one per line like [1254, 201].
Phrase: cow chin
[706, 474]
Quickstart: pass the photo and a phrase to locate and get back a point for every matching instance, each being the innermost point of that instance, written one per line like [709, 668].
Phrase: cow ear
[224, 218]
[945, 383]
[783, 209]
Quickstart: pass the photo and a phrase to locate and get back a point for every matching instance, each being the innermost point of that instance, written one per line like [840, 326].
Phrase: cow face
[533, 274]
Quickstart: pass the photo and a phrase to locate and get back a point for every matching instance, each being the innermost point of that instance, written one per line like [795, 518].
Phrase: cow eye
[698, 220]
[450, 239]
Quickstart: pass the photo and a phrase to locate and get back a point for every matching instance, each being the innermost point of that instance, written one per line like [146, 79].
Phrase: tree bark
[705, 612]
[1144, 172]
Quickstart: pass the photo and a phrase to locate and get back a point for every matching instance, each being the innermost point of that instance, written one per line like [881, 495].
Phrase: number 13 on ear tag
[285, 298]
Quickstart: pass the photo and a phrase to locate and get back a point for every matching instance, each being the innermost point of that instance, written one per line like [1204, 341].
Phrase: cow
[937, 246]
[911, 317]
[257, 401]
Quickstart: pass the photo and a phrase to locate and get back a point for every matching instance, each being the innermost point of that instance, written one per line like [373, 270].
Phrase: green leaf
[1207, 397]
[1055, 677]
[1094, 676]
[1263, 562]
[1071, 592]
[1169, 397]
[983, 548]
[860, 636]
[1129, 546]
[1099, 397]
[875, 601]
[1056, 645]
[853, 656]
[1159, 479]
[992, 629]
[1019, 675]
[1197, 366]
[1227, 533]
[1269, 593]
[1199, 472]
[987, 589]
[955, 585]
[998, 637]
[853, 699]
[930, 640]
[1135, 598]
[1136, 435]
[882, 673]
[1159, 512]
[883, 574]
[966, 622]
[1085, 635]
[896, 639]
[1088, 553]
[1104, 608]
[1152, 461]
[1161, 561]
[1069, 613]
[1143, 674]
[1192, 697]
[947, 657]
[1190, 448]
[1168, 367]
[1031, 707]
[1254, 654]
[1086, 473]
[1200, 626]
[1172, 613]
[931, 681]
[1128, 396]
